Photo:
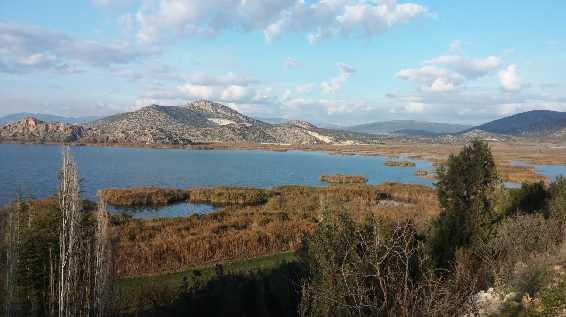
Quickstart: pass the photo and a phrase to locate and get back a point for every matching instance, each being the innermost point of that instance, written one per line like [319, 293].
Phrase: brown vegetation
[519, 174]
[142, 196]
[395, 163]
[343, 179]
[245, 229]
[421, 173]
[228, 195]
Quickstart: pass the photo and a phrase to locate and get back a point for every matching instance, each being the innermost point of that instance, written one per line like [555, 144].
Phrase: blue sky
[335, 61]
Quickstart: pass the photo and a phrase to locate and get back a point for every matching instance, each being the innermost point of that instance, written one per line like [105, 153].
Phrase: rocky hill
[196, 122]
[34, 130]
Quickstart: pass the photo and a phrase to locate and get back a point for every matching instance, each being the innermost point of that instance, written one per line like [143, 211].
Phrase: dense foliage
[466, 188]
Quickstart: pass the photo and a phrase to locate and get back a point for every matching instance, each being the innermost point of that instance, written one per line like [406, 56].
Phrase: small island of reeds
[397, 163]
[343, 179]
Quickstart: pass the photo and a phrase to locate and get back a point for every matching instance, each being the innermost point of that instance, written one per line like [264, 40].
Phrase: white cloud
[432, 78]
[447, 72]
[26, 49]
[470, 68]
[334, 84]
[319, 19]
[509, 78]
[230, 88]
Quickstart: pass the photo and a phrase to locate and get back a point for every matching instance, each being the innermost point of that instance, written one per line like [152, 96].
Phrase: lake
[32, 169]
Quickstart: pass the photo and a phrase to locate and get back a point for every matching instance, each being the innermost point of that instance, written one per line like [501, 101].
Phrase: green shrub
[557, 203]
[466, 188]
[529, 198]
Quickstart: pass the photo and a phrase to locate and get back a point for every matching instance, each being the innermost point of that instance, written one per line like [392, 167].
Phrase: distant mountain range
[46, 117]
[320, 124]
[208, 122]
[530, 123]
[196, 122]
[407, 127]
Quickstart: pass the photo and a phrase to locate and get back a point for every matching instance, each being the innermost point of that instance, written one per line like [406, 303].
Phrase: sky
[334, 61]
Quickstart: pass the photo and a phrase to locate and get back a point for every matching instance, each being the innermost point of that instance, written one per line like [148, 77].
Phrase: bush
[529, 198]
[557, 203]
[517, 240]
[466, 188]
[375, 268]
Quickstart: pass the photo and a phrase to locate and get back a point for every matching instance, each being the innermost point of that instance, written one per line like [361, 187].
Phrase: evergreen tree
[467, 183]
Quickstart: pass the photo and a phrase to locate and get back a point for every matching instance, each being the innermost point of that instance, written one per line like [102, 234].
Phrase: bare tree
[102, 261]
[12, 252]
[70, 206]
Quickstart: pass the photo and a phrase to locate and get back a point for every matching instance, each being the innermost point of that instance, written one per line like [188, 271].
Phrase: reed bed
[343, 179]
[239, 231]
[228, 195]
[394, 163]
[142, 196]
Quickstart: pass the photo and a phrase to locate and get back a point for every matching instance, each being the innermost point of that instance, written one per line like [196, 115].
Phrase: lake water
[550, 171]
[32, 169]
[170, 211]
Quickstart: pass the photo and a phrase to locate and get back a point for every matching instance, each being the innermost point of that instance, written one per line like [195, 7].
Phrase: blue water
[550, 171]
[170, 211]
[32, 169]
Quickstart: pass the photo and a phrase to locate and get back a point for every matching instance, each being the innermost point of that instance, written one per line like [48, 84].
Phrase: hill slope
[196, 122]
[531, 123]
[400, 126]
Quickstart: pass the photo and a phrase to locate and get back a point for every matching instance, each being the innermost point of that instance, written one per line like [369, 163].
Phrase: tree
[58, 254]
[557, 202]
[466, 186]
[12, 255]
[70, 206]
[530, 198]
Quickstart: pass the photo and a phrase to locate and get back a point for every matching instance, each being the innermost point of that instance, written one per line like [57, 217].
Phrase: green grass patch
[132, 291]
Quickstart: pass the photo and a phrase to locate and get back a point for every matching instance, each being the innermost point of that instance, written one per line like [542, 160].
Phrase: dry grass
[343, 179]
[166, 245]
[244, 231]
[142, 196]
[421, 173]
[519, 174]
[395, 163]
[228, 195]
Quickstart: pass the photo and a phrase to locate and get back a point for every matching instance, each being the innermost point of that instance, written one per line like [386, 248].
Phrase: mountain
[407, 126]
[195, 122]
[45, 118]
[530, 123]
[34, 130]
